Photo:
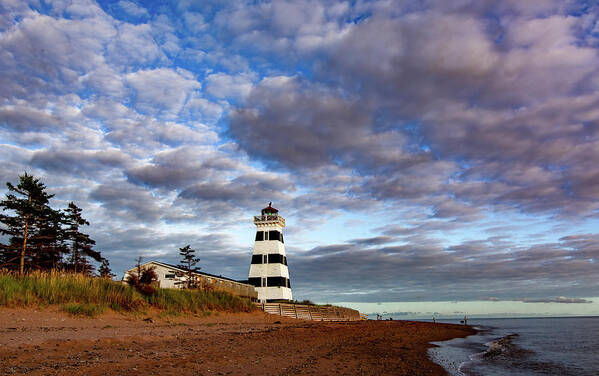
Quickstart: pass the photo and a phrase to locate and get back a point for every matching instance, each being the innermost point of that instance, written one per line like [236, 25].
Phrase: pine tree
[188, 262]
[104, 269]
[81, 245]
[28, 201]
[49, 246]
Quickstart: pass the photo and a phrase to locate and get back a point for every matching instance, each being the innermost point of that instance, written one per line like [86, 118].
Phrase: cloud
[21, 118]
[162, 90]
[378, 240]
[79, 163]
[204, 109]
[179, 168]
[415, 271]
[133, 9]
[242, 191]
[299, 125]
[134, 45]
[559, 299]
[126, 201]
[449, 148]
[222, 85]
[495, 102]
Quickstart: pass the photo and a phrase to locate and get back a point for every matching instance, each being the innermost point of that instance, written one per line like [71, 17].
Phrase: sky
[426, 155]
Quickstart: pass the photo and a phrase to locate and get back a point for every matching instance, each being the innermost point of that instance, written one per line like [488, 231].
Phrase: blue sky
[421, 152]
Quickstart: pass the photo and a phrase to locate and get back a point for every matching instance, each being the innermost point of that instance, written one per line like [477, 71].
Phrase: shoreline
[49, 342]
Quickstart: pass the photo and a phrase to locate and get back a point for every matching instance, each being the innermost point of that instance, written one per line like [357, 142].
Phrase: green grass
[82, 295]
[83, 309]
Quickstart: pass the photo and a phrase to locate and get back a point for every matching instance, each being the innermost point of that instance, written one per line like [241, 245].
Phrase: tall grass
[81, 294]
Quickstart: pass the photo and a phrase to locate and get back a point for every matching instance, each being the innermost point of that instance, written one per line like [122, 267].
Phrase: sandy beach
[50, 342]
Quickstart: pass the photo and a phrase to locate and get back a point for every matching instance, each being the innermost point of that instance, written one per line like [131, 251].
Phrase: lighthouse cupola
[268, 271]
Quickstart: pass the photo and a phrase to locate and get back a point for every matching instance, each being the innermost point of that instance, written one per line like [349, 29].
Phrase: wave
[505, 348]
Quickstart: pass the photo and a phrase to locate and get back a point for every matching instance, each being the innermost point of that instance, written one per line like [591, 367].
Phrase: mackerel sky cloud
[426, 150]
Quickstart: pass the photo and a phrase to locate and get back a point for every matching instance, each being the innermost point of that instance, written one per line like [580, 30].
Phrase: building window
[259, 236]
[257, 259]
[265, 259]
[264, 282]
[169, 276]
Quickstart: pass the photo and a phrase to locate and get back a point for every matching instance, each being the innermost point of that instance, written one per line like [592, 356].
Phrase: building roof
[269, 209]
[175, 267]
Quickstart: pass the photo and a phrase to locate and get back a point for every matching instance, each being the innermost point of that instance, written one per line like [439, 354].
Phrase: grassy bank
[80, 294]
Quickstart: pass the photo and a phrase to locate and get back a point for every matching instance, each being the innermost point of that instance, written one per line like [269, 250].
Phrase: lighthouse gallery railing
[269, 218]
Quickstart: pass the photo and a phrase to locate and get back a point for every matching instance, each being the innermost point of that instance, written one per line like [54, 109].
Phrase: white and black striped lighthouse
[268, 270]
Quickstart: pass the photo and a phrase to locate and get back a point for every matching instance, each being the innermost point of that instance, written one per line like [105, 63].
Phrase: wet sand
[49, 342]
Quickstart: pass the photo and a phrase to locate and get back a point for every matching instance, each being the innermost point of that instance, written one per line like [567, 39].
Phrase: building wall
[169, 277]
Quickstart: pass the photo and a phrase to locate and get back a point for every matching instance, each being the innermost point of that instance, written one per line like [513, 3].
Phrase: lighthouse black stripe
[269, 235]
[270, 282]
[273, 258]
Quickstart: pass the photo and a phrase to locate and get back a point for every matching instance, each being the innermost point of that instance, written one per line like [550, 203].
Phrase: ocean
[564, 346]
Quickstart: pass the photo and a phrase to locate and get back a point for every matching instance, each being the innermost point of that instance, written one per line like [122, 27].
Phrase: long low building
[174, 277]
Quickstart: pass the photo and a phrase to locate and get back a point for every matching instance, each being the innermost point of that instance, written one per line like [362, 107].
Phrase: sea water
[565, 346]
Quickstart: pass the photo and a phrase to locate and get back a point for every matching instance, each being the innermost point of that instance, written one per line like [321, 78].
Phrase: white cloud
[161, 90]
[206, 110]
[133, 9]
[222, 85]
[134, 44]
[195, 22]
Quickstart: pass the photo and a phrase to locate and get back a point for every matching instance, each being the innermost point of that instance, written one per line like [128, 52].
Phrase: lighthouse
[268, 270]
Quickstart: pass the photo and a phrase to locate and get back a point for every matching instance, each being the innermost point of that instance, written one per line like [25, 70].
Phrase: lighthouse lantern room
[268, 270]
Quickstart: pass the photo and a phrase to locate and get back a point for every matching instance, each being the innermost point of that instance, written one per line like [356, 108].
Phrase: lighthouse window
[278, 282]
[259, 236]
[254, 281]
[274, 235]
[256, 259]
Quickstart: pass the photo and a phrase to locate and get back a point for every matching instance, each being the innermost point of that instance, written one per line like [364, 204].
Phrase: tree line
[36, 236]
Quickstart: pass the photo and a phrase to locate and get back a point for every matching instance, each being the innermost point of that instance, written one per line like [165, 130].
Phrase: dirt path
[52, 343]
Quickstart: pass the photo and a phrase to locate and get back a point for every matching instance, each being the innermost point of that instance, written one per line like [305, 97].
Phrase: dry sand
[49, 342]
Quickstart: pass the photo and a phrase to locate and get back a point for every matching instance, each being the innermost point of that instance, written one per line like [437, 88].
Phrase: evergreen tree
[80, 244]
[49, 246]
[28, 202]
[104, 269]
[188, 262]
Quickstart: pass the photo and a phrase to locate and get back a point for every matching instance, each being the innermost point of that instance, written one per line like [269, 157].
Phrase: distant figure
[434, 320]
[465, 320]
